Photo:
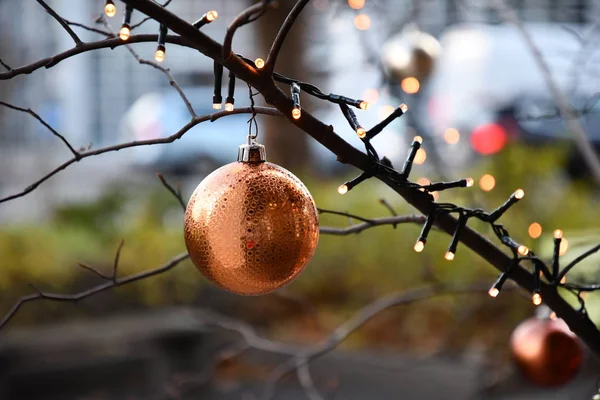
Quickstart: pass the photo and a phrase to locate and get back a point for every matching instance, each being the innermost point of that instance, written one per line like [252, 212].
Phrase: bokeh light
[371, 95]
[362, 22]
[410, 85]
[487, 182]
[488, 139]
[356, 4]
[451, 135]
[421, 156]
[535, 230]
[564, 246]
[384, 111]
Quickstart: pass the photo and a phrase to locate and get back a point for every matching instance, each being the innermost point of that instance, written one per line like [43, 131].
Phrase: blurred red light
[488, 139]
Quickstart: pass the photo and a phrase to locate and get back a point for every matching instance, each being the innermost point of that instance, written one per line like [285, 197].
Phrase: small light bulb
[537, 299]
[228, 106]
[449, 256]
[217, 106]
[259, 62]
[404, 107]
[343, 189]
[296, 113]
[419, 246]
[360, 132]
[364, 105]
[552, 315]
[519, 193]
[124, 33]
[558, 234]
[110, 10]
[470, 182]
[159, 55]
[523, 250]
[494, 292]
[563, 280]
[212, 15]
[418, 139]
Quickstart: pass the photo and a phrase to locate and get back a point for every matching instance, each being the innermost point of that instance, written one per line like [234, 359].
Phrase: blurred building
[102, 84]
[99, 85]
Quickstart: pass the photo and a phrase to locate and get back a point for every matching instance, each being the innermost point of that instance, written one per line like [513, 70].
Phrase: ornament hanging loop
[252, 120]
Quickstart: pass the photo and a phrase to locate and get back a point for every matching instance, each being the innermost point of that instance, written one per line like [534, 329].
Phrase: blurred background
[475, 94]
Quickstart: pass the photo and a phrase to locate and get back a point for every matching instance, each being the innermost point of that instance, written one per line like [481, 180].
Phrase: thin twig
[345, 214]
[95, 271]
[29, 111]
[576, 261]
[40, 295]
[281, 35]
[240, 20]
[388, 206]
[165, 71]
[110, 43]
[89, 28]
[169, 139]
[5, 65]
[170, 188]
[116, 262]
[62, 22]
[358, 320]
[143, 21]
[581, 139]
[357, 228]
[306, 381]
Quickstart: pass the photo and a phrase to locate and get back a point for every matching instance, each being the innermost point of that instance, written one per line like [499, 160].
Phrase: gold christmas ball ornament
[251, 226]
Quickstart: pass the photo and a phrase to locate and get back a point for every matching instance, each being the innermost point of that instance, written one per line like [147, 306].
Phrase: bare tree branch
[195, 121]
[62, 22]
[29, 111]
[111, 43]
[281, 35]
[116, 262]
[5, 65]
[176, 193]
[357, 228]
[95, 271]
[40, 295]
[388, 206]
[165, 71]
[585, 147]
[241, 19]
[89, 28]
[360, 318]
[143, 21]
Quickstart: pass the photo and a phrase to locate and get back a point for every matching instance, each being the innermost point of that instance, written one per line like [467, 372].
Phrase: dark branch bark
[46, 125]
[195, 121]
[62, 22]
[41, 295]
[414, 219]
[281, 35]
[111, 43]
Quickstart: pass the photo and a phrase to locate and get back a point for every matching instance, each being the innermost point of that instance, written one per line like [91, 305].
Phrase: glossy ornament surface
[251, 227]
[546, 351]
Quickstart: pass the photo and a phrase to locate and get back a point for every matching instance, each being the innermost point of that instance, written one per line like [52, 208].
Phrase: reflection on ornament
[546, 351]
[251, 226]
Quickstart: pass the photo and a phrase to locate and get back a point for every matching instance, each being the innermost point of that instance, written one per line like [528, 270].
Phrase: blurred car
[209, 145]
[488, 86]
